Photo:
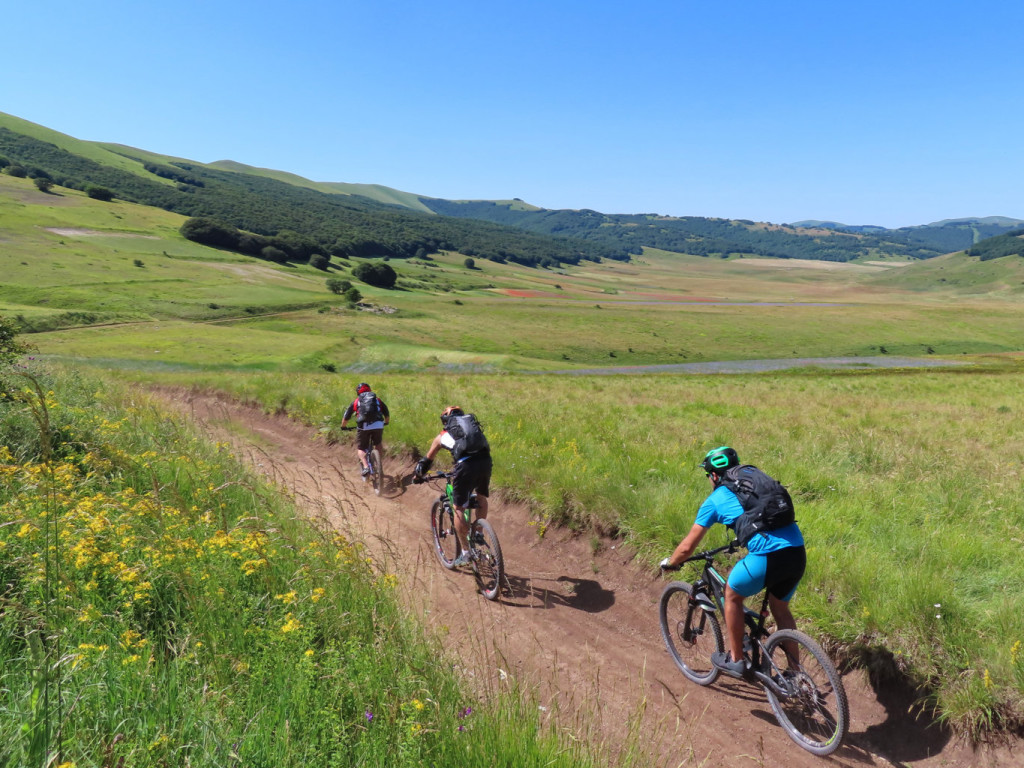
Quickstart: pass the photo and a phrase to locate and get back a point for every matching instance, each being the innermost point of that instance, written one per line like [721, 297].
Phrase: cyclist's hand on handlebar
[666, 565]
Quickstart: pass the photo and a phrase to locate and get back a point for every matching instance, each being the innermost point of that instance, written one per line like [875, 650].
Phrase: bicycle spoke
[691, 634]
[489, 565]
[814, 710]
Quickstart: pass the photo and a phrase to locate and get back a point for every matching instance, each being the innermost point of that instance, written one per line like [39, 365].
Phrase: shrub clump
[377, 274]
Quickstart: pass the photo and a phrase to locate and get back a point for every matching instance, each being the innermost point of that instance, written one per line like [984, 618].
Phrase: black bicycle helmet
[363, 387]
[719, 459]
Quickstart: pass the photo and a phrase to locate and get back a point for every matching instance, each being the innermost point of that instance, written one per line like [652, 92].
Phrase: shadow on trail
[908, 733]
[564, 591]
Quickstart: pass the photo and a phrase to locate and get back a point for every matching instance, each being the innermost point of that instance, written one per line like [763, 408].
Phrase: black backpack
[765, 501]
[468, 435]
[368, 410]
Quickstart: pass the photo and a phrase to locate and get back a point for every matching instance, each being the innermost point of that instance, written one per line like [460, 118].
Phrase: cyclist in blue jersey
[775, 560]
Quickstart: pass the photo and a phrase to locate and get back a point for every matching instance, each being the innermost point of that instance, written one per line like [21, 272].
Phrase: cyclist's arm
[384, 410]
[348, 413]
[687, 545]
[438, 444]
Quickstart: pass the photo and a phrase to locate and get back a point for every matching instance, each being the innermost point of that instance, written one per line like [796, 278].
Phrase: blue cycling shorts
[779, 571]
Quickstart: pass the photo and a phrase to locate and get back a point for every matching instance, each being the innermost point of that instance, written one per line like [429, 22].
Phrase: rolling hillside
[368, 219]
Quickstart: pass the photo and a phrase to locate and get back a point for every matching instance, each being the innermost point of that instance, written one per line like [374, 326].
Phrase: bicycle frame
[713, 583]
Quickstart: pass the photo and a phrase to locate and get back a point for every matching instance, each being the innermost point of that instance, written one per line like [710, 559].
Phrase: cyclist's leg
[480, 475]
[362, 447]
[733, 610]
[461, 527]
[746, 579]
[785, 569]
[461, 488]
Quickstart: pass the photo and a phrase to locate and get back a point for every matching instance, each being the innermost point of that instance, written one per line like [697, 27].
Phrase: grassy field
[71, 261]
[161, 606]
[907, 482]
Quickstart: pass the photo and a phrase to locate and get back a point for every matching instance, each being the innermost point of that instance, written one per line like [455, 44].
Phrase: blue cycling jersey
[723, 507]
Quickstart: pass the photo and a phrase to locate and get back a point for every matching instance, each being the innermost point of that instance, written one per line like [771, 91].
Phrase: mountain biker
[472, 456]
[775, 560]
[372, 416]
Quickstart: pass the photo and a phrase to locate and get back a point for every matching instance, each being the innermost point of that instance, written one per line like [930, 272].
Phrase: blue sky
[891, 113]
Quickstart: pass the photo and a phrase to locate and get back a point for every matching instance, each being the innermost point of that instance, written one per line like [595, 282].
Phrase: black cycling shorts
[779, 572]
[471, 474]
[364, 437]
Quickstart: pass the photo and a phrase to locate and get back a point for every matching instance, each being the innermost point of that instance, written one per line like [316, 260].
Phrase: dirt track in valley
[577, 623]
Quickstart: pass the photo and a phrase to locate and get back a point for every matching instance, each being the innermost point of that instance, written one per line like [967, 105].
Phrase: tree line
[322, 223]
[1010, 244]
[695, 235]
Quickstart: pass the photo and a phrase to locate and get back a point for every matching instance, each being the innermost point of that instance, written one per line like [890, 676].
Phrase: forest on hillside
[1010, 244]
[335, 224]
[723, 237]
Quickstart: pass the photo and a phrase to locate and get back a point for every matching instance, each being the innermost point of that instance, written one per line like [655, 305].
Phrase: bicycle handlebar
[731, 547]
[438, 475]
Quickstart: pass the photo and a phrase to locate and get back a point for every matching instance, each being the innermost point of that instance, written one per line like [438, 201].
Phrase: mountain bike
[801, 683]
[484, 548]
[373, 458]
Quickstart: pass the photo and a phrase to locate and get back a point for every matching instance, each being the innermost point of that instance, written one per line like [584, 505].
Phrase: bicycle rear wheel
[814, 711]
[376, 470]
[489, 565]
[691, 633]
[442, 525]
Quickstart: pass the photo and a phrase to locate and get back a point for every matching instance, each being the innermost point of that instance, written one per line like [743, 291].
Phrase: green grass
[120, 262]
[161, 606]
[906, 484]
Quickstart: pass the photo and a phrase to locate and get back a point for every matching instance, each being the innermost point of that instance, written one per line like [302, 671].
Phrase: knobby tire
[442, 525]
[489, 566]
[691, 633]
[816, 714]
[376, 470]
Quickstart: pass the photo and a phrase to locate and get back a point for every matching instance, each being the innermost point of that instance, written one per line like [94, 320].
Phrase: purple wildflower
[369, 716]
[466, 712]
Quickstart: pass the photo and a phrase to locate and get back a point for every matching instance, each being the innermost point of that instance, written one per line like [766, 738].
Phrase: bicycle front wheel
[814, 710]
[442, 525]
[691, 633]
[376, 470]
[489, 565]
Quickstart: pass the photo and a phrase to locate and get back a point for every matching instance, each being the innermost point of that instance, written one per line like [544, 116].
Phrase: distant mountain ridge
[370, 219]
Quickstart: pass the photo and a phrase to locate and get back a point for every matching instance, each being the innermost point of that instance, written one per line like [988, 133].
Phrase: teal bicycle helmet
[719, 459]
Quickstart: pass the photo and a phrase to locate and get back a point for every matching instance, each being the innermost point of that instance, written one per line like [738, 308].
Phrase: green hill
[334, 223]
[368, 218]
[696, 235]
[377, 192]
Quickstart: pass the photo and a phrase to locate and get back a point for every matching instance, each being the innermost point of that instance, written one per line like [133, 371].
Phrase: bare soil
[576, 625]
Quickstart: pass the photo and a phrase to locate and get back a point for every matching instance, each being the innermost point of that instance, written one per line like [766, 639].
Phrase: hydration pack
[368, 408]
[765, 501]
[468, 435]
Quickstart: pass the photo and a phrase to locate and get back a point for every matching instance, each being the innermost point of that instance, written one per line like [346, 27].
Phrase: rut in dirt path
[576, 625]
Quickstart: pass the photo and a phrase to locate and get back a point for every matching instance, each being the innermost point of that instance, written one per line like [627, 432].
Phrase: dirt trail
[577, 623]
